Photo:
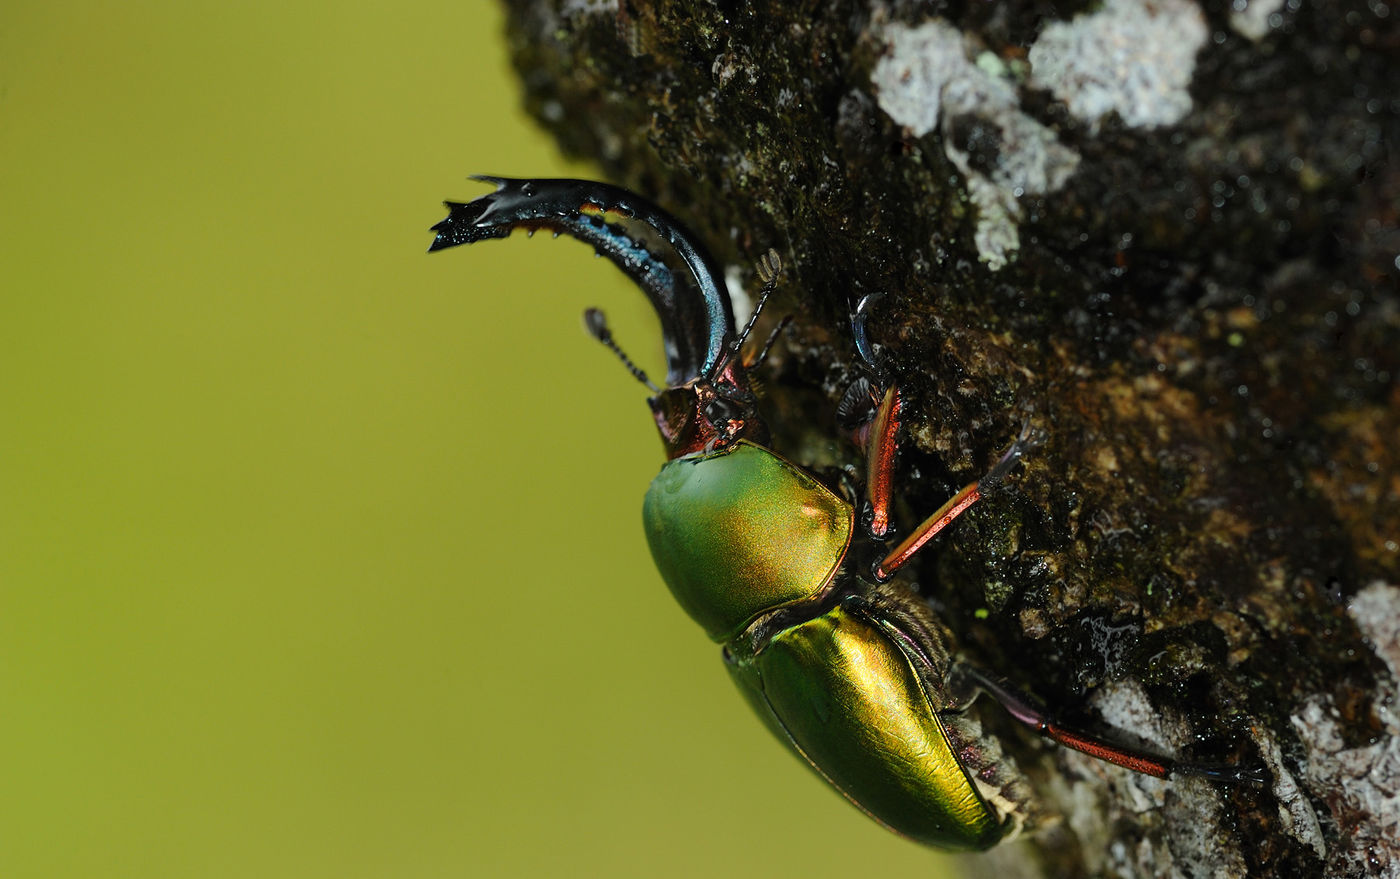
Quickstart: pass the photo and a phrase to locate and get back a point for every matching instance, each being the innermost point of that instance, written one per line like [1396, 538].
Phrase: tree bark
[1164, 232]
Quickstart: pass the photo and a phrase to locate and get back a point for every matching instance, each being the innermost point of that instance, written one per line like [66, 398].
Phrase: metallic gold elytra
[848, 700]
[743, 532]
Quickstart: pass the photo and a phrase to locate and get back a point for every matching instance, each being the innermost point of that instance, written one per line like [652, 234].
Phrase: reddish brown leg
[955, 506]
[880, 461]
[881, 446]
[1024, 709]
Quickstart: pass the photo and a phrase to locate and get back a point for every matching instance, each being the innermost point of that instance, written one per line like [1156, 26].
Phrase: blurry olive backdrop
[320, 556]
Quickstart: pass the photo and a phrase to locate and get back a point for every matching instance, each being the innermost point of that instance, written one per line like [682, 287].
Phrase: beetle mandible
[850, 668]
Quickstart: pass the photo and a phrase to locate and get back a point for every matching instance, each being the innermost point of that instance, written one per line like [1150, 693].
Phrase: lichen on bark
[1165, 232]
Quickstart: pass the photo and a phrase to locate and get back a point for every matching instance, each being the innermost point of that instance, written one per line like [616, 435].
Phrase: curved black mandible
[697, 320]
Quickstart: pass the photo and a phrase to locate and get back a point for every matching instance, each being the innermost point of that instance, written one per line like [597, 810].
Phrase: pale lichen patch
[1294, 810]
[588, 7]
[1128, 57]
[928, 80]
[1082, 801]
[1361, 786]
[910, 78]
[1376, 612]
[1199, 840]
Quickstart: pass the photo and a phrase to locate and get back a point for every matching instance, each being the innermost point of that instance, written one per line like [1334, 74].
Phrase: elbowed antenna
[697, 320]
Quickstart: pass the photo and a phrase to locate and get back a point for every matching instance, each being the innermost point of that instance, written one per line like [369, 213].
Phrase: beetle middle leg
[955, 506]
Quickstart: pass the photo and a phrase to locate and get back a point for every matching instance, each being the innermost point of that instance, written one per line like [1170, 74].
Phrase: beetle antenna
[597, 324]
[762, 355]
[770, 266]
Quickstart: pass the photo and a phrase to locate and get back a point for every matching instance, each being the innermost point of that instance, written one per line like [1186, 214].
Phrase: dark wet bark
[1191, 288]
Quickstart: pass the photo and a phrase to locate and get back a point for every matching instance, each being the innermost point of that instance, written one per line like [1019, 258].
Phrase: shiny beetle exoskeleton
[849, 668]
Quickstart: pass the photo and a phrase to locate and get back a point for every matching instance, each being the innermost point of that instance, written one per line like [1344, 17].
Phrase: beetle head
[706, 415]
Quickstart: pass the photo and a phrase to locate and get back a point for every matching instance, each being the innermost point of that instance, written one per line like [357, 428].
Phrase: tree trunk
[1166, 234]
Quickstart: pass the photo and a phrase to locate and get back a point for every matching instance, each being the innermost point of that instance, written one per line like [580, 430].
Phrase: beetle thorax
[740, 533]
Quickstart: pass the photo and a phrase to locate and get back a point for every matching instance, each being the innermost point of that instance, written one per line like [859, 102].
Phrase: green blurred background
[320, 556]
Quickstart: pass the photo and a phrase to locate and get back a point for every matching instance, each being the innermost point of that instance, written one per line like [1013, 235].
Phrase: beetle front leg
[880, 457]
[956, 506]
[880, 432]
[882, 446]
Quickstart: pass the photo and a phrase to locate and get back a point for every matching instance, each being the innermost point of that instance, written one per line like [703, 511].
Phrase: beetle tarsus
[862, 340]
[1227, 773]
[1027, 441]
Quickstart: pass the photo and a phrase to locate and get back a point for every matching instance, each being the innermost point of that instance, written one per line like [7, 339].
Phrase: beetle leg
[880, 456]
[966, 682]
[956, 505]
[879, 434]
[862, 340]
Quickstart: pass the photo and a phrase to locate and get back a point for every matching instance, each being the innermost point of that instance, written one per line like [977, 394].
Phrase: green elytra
[850, 670]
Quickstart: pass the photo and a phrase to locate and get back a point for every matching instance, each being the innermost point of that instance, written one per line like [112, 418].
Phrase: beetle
[844, 662]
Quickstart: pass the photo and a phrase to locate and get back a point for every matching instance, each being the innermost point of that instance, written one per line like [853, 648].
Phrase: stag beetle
[848, 667]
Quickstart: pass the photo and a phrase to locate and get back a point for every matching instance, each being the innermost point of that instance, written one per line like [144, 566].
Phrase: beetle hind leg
[966, 682]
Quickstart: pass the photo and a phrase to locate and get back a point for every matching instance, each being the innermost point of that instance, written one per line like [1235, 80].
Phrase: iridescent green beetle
[849, 668]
